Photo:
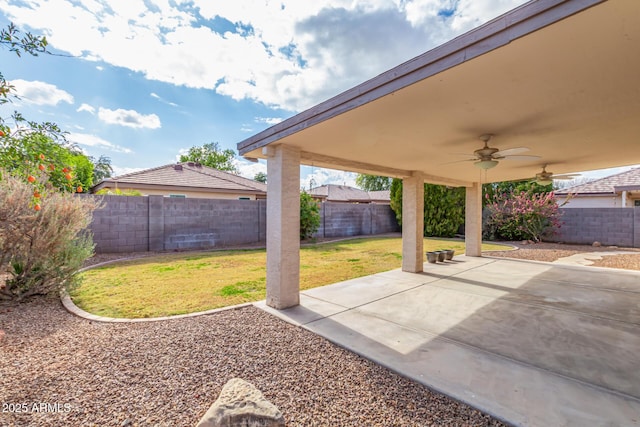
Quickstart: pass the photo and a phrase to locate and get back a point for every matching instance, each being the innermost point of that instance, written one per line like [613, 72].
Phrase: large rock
[240, 404]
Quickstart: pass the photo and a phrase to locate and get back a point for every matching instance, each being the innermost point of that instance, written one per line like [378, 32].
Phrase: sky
[141, 81]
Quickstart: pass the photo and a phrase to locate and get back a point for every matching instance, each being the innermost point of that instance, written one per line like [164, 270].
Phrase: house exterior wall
[609, 226]
[609, 201]
[188, 194]
[140, 224]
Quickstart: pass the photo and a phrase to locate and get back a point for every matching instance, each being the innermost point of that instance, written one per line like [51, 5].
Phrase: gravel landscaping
[550, 252]
[168, 373]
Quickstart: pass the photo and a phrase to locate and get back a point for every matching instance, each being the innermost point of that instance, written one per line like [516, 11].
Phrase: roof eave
[498, 32]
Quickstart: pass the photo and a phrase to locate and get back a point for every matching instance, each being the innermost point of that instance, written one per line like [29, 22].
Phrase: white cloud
[40, 93]
[95, 141]
[119, 170]
[161, 99]
[288, 54]
[313, 177]
[308, 175]
[249, 169]
[86, 107]
[269, 120]
[129, 118]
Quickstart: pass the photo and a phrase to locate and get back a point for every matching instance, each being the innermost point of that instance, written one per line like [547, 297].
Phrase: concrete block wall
[609, 226]
[349, 219]
[156, 223]
[210, 223]
[121, 225]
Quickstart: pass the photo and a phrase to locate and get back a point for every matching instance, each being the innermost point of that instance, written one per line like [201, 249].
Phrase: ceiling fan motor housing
[485, 153]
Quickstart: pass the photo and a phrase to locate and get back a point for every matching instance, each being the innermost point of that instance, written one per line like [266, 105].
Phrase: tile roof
[380, 196]
[606, 185]
[190, 175]
[344, 193]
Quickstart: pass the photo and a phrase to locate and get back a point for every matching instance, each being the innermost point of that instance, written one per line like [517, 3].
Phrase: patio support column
[283, 226]
[413, 223]
[473, 220]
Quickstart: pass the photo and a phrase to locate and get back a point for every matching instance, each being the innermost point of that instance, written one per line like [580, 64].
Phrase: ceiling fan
[546, 178]
[487, 157]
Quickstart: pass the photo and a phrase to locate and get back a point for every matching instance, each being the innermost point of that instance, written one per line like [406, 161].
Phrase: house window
[178, 196]
[244, 198]
[636, 203]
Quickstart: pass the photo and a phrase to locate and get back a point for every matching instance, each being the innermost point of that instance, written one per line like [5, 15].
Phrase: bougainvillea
[522, 215]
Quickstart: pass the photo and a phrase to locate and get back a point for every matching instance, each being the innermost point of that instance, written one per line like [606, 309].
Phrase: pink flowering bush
[521, 215]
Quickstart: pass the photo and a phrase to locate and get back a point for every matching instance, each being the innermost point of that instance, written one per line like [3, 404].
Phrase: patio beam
[283, 226]
[473, 220]
[413, 223]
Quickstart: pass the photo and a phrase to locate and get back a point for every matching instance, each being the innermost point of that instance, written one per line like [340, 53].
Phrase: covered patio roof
[560, 77]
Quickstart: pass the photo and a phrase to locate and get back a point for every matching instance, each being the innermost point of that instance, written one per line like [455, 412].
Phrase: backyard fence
[156, 223]
[609, 226]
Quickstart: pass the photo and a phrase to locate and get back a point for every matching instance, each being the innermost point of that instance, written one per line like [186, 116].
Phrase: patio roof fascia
[621, 188]
[498, 32]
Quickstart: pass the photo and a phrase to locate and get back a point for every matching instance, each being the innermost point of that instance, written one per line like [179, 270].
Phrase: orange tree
[44, 236]
[28, 148]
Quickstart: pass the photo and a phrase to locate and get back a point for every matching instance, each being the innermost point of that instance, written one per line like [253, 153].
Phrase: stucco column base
[473, 220]
[283, 227]
[413, 223]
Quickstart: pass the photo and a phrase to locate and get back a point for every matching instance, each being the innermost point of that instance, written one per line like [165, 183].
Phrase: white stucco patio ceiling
[559, 77]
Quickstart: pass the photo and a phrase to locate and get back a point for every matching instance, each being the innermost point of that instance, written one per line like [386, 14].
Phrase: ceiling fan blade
[524, 158]
[566, 176]
[512, 151]
[460, 161]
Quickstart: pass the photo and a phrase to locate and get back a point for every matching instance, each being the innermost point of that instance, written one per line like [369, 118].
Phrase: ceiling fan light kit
[486, 164]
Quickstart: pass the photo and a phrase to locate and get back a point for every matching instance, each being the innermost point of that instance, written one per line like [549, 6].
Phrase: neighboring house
[187, 180]
[616, 191]
[346, 194]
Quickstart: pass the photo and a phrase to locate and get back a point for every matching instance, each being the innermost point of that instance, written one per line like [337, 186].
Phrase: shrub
[41, 249]
[521, 215]
[443, 208]
[118, 192]
[309, 215]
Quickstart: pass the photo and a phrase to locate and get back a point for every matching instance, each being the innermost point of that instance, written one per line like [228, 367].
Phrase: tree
[508, 187]
[43, 237]
[373, 182]
[521, 215]
[22, 43]
[18, 43]
[260, 177]
[443, 208]
[396, 198]
[309, 215]
[28, 147]
[25, 154]
[213, 156]
[101, 168]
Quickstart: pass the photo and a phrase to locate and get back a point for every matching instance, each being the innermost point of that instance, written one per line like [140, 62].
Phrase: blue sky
[147, 79]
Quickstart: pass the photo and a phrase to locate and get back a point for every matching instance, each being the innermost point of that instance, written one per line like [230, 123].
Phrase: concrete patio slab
[530, 343]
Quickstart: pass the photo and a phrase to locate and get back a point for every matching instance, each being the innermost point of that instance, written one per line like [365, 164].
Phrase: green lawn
[189, 282]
